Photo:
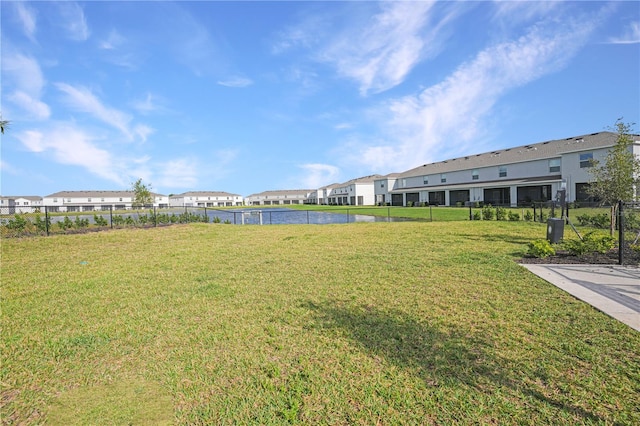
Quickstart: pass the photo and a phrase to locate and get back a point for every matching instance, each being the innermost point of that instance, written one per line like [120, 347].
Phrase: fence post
[620, 232]
[111, 215]
[46, 219]
[307, 217]
[535, 218]
[155, 217]
[470, 213]
[430, 213]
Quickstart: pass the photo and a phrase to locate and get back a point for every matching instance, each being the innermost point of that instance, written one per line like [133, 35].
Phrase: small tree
[616, 178]
[141, 194]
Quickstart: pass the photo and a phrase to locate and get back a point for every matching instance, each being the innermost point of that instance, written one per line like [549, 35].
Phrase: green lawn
[368, 323]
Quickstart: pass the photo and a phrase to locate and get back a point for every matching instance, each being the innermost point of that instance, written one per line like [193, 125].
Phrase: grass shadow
[439, 356]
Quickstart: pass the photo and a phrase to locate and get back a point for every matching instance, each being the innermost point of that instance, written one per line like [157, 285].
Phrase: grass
[390, 323]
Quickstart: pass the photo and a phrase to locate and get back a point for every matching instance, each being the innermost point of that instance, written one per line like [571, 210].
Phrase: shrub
[19, 223]
[477, 215]
[514, 216]
[100, 221]
[541, 249]
[501, 213]
[528, 216]
[600, 221]
[487, 212]
[41, 225]
[591, 243]
[118, 220]
[80, 223]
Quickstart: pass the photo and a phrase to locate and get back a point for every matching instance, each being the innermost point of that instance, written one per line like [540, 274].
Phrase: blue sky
[245, 97]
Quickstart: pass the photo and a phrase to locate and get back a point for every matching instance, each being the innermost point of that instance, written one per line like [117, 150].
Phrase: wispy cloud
[71, 146]
[24, 75]
[447, 119]
[236, 82]
[149, 104]
[73, 20]
[113, 41]
[631, 35]
[379, 53]
[178, 173]
[82, 99]
[27, 17]
[318, 175]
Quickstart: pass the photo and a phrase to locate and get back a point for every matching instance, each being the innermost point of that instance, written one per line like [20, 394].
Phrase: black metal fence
[31, 221]
[628, 223]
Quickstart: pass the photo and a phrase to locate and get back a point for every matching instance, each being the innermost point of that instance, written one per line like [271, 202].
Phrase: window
[55, 200]
[120, 199]
[475, 175]
[443, 178]
[68, 200]
[502, 171]
[554, 165]
[404, 182]
[88, 200]
[381, 184]
[102, 199]
[425, 180]
[586, 160]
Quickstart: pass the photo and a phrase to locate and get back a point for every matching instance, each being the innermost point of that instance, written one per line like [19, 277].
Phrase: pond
[256, 216]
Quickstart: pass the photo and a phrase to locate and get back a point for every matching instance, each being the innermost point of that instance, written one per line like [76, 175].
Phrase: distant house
[321, 195]
[20, 204]
[381, 188]
[356, 192]
[82, 201]
[284, 197]
[205, 199]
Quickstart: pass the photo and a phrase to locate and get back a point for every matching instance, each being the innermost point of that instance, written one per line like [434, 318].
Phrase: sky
[245, 97]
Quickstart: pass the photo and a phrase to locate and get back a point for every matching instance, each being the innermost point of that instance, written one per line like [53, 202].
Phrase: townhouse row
[508, 177]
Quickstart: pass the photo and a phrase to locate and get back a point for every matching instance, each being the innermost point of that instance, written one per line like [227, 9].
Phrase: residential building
[381, 188]
[282, 197]
[205, 199]
[356, 192]
[321, 195]
[20, 204]
[508, 177]
[81, 201]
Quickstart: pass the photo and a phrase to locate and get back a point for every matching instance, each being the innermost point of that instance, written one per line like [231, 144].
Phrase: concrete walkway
[612, 289]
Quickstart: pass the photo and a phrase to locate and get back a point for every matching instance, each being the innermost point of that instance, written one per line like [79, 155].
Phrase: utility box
[555, 230]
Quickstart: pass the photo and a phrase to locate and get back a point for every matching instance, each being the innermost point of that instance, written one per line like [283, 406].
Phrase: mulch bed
[631, 257]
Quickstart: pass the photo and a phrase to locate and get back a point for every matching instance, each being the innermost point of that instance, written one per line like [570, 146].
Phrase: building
[205, 199]
[20, 204]
[82, 201]
[283, 197]
[356, 192]
[507, 177]
[381, 188]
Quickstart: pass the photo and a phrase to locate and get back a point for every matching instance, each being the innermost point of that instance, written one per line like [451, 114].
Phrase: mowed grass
[369, 323]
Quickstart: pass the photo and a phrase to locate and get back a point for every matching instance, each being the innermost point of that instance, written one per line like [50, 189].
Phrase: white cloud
[27, 17]
[392, 43]
[318, 175]
[143, 131]
[82, 99]
[113, 41]
[147, 105]
[38, 109]
[23, 74]
[631, 35]
[447, 119]
[73, 20]
[72, 146]
[236, 82]
[179, 173]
